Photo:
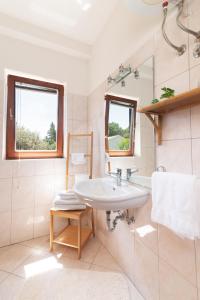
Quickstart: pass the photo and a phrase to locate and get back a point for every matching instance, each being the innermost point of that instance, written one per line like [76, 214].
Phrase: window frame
[131, 103]
[11, 152]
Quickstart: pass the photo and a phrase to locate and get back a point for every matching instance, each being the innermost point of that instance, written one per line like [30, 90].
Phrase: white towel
[60, 201]
[78, 158]
[66, 194]
[176, 203]
[70, 207]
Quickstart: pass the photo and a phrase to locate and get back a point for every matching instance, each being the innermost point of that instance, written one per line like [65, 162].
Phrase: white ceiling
[82, 20]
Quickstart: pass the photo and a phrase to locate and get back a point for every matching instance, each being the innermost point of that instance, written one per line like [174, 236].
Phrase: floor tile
[3, 275]
[107, 284]
[104, 259]
[38, 274]
[13, 256]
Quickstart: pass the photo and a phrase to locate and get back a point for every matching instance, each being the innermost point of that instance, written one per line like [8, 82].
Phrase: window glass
[119, 127]
[34, 119]
[120, 118]
[36, 113]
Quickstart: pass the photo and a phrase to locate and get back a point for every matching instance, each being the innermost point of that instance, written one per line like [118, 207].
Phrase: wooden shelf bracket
[157, 123]
[158, 110]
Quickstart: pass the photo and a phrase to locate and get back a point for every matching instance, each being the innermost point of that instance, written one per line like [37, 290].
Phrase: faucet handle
[129, 172]
[119, 171]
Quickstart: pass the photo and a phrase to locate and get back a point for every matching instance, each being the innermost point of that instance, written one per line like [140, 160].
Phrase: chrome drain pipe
[122, 216]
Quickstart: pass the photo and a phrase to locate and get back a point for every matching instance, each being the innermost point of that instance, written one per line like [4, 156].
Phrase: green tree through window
[31, 141]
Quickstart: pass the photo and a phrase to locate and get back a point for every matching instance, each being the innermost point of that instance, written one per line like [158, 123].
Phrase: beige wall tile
[22, 225]
[176, 125]
[22, 168]
[5, 169]
[23, 193]
[178, 252]
[146, 271]
[145, 230]
[195, 121]
[41, 221]
[44, 192]
[195, 77]
[195, 156]
[5, 194]
[173, 285]
[180, 84]
[5, 228]
[197, 247]
[175, 155]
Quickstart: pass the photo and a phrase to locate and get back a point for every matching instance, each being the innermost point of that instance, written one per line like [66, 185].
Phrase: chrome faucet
[129, 172]
[118, 175]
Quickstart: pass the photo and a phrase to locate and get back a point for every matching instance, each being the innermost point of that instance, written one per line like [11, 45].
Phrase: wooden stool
[74, 236]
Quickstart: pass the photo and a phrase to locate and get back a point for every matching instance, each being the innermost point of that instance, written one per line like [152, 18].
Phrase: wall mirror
[129, 136]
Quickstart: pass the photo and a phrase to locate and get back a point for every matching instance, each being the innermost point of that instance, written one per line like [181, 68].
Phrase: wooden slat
[73, 214]
[185, 99]
[69, 236]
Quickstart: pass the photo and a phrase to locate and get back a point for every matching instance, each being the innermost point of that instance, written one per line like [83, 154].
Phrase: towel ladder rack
[89, 155]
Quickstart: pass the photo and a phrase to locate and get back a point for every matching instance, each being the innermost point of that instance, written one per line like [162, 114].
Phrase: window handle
[11, 115]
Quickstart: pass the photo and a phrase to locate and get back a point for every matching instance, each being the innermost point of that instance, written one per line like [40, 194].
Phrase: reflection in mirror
[120, 124]
[129, 136]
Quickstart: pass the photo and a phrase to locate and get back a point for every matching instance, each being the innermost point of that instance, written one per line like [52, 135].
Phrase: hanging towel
[176, 203]
[78, 158]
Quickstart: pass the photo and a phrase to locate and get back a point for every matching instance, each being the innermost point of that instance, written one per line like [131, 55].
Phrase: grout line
[196, 271]
[170, 78]
[172, 140]
[177, 271]
[8, 275]
[159, 289]
[11, 213]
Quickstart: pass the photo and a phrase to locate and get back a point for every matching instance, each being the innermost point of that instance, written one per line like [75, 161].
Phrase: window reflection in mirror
[120, 125]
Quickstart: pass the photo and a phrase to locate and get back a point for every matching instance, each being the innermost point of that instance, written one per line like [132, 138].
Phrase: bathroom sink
[104, 194]
[144, 181]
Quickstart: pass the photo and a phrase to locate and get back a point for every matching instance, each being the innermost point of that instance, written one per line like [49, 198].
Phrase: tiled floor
[29, 271]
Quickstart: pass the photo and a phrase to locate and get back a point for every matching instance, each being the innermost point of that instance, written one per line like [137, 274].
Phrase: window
[119, 126]
[34, 119]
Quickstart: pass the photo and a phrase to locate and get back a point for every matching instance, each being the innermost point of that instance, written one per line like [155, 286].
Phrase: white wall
[125, 32]
[28, 187]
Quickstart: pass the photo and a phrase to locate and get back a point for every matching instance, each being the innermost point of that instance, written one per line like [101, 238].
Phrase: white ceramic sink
[104, 194]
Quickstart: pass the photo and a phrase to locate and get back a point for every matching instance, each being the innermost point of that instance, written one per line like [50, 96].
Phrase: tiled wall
[27, 187]
[161, 265]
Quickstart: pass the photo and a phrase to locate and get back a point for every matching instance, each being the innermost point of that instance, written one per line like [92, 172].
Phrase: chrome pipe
[180, 50]
[196, 34]
[122, 216]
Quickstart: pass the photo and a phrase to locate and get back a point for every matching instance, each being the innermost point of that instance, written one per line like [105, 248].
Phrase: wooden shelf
[75, 235]
[154, 112]
[69, 237]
